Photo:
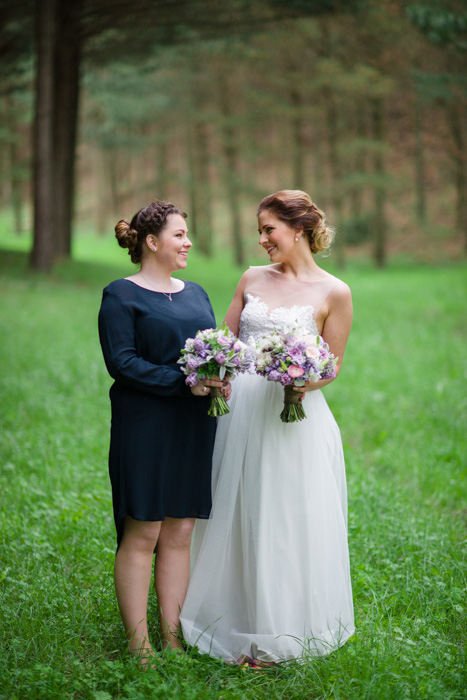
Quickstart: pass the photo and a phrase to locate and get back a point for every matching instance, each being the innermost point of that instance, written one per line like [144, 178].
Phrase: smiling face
[173, 244]
[276, 237]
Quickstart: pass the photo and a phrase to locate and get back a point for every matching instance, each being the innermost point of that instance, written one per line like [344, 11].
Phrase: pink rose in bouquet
[293, 359]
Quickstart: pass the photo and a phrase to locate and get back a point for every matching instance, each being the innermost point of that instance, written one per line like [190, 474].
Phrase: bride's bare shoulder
[259, 271]
[335, 284]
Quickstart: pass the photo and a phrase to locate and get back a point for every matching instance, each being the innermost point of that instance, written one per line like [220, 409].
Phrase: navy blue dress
[161, 437]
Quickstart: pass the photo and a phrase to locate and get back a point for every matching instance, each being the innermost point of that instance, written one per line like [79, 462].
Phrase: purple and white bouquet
[293, 359]
[215, 352]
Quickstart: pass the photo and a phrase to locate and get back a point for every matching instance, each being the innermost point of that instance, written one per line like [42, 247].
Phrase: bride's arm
[336, 329]
[232, 317]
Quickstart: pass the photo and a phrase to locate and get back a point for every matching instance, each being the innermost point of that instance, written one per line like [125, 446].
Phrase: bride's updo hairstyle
[296, 209]
[150, 220]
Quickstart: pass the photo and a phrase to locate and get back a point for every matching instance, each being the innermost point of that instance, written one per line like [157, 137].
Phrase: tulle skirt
[270, 570]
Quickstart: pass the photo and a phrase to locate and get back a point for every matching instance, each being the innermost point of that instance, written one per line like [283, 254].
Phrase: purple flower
[192, 379]
[224, 340]
[297, 356]
[198, 345]
[286, 380]
[220, 358]
[274, 376]
[193, 363]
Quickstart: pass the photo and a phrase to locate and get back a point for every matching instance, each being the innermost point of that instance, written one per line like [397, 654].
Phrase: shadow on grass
[15, 265]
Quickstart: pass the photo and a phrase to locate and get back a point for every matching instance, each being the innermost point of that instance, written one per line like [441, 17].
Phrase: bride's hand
[302, 390]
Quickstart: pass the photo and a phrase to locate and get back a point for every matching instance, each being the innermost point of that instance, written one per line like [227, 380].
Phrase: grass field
[400, 403]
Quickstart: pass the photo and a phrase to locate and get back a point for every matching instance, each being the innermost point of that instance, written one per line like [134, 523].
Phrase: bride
[270, 576]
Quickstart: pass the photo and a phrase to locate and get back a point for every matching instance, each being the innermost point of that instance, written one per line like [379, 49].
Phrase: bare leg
[133, 567]
[171, 574]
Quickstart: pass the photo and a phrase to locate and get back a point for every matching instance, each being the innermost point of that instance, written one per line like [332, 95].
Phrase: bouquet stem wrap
[293, 410]
[219, 406]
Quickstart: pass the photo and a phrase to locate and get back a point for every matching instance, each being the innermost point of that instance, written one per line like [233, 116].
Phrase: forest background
[106, 105]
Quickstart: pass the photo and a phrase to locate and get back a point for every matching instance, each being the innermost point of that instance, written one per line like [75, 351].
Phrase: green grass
[400, 403]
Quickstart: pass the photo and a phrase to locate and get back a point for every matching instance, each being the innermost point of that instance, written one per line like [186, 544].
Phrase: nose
[188, 243]
[262, 239]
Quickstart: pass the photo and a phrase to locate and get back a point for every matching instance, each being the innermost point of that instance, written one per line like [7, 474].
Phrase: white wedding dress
[270, 569]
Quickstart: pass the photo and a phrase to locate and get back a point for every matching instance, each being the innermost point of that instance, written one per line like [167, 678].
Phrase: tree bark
[16, 194]
[192, 183]
[67, 74]
[419, 162]
[44, 220]
[229, 142]
[336, 173]
[298, 140]
[205, 192]
[456, 122]
[162, 179]
[379, 239]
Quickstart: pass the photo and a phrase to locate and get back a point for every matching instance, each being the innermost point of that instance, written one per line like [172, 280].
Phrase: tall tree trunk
[13, 165]
[456, 122]
[229, 142]
[201, 188]
[379, 250]
[336, 173]
[419, 162]
[112, 171]
[298, 141]
[205, 179]
[16, 194]
[162, 179]
[44, 220]
[67, 63]
[101, 193]
[192, 182]
[359, 165]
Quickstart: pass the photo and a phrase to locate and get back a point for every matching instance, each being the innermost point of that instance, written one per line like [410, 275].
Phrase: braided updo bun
[148, 221]
[296, 209]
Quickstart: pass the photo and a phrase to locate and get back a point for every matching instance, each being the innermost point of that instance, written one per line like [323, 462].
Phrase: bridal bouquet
[215, 352]
[293, 359]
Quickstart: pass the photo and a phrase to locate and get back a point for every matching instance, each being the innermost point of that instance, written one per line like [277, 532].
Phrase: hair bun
[125, 235]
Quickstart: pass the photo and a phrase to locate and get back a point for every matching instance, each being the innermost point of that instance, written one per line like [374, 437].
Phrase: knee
[176, 534]
[140, 535]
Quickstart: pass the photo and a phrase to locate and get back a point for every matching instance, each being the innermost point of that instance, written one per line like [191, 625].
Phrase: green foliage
[357, 229]
[440, 25]
[400, 404]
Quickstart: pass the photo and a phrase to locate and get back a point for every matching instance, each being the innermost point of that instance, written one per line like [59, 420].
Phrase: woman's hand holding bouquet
[215, 353]
[294, 359]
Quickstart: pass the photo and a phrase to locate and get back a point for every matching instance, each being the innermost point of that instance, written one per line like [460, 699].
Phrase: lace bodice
[257, 319]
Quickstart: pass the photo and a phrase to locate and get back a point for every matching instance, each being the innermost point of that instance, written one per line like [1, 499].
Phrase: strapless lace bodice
[257, 319]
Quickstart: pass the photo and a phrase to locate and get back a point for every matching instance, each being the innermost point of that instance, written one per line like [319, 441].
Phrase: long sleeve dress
[161, 436]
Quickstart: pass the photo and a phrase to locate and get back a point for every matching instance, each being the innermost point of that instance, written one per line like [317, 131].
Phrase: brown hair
[150, 220]
[296, 209]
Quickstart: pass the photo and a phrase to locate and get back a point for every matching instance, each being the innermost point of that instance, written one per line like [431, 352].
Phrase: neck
[156, 274]
[302, 266]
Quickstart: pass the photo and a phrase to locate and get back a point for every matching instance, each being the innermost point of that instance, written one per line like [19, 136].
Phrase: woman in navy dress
[161, 435]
